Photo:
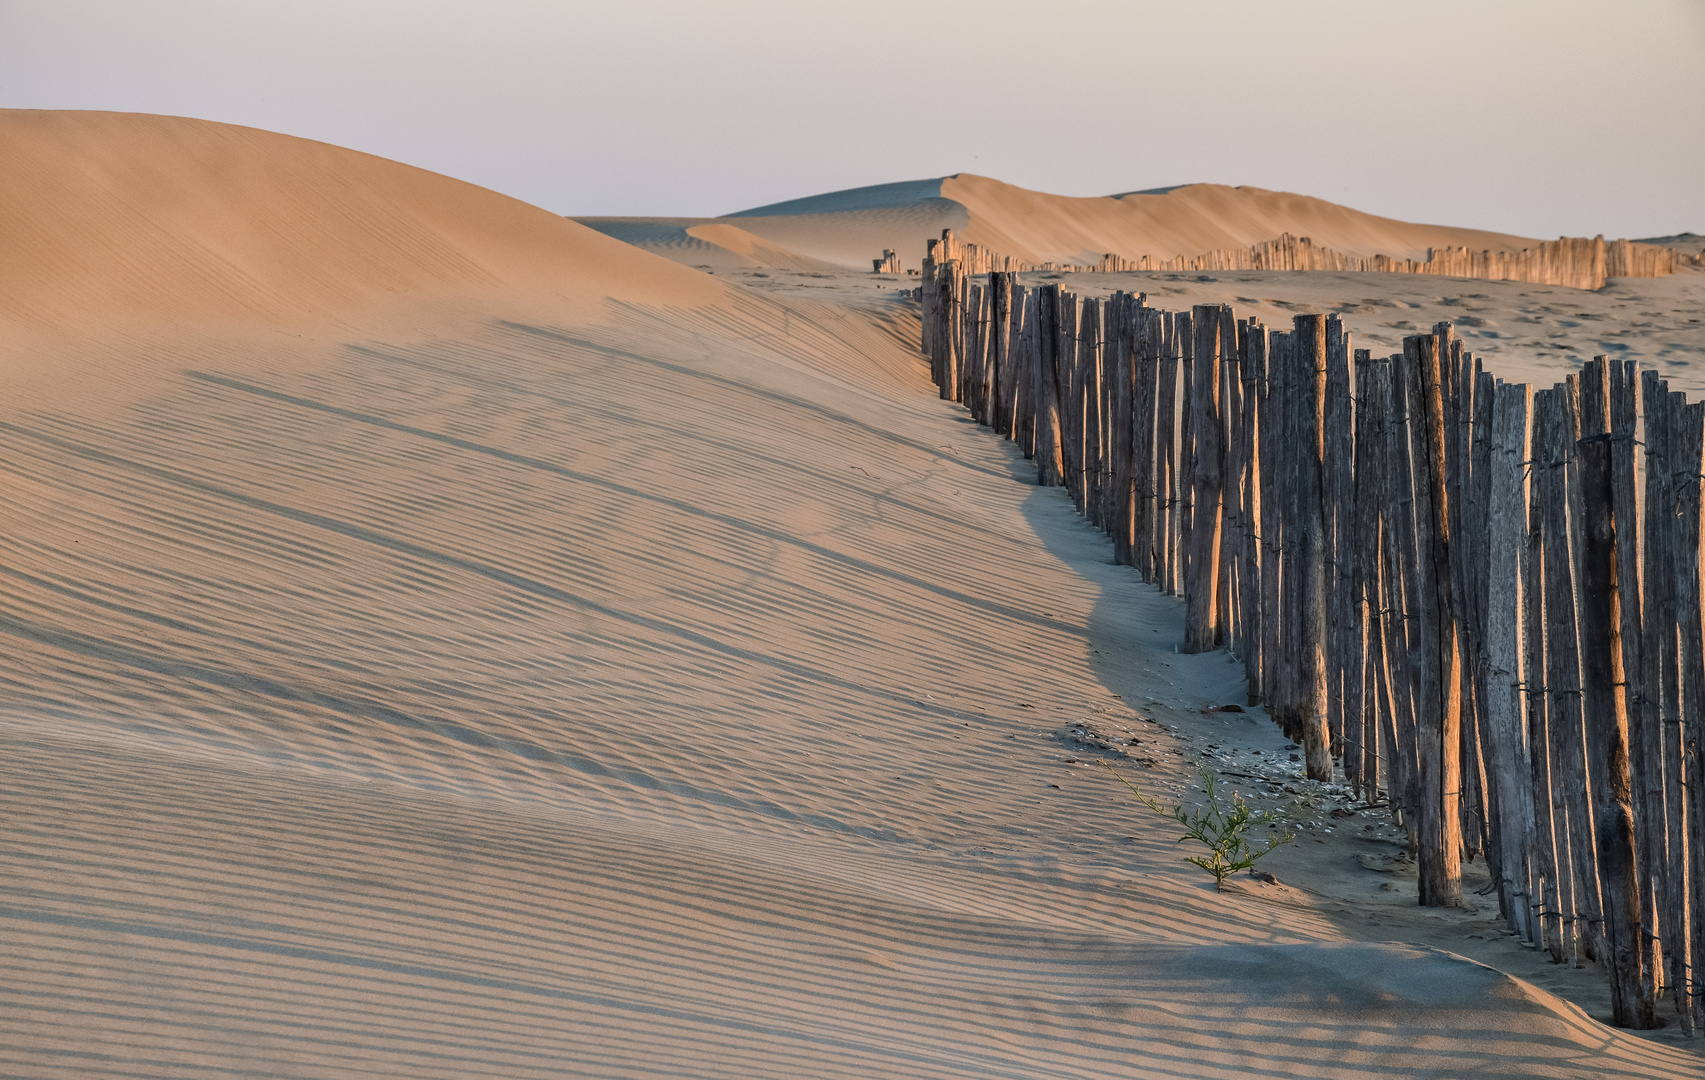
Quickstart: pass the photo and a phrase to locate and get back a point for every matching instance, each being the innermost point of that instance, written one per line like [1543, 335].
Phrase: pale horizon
[1528, 118]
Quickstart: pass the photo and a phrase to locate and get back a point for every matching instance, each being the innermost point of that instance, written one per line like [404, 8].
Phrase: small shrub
[1222, 828]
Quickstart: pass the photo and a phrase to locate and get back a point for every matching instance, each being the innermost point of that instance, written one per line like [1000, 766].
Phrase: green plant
[1222, 828]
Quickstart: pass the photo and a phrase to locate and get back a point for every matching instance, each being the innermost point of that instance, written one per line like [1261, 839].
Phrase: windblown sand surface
[850, 228]
[705, 243]
[574, 665]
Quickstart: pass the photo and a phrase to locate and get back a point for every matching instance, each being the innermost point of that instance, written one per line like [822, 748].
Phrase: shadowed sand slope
[849, 228]
[707, 243]
[666, 688]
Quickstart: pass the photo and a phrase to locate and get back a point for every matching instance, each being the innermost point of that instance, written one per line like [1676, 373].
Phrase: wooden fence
[1479, 601]
[1577, 263]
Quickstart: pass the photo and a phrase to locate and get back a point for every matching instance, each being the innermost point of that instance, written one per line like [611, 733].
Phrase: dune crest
[850, 228]
[1186, 220]
[146, 221]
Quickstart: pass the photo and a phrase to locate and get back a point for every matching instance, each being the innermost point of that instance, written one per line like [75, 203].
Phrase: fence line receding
[1479, 601]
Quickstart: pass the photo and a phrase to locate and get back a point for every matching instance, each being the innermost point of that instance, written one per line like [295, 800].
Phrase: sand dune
[849, 228]
[119, 227]
[1688, 242]
[706, 243]
[1187, 220]
[591, 670]
[162, 219]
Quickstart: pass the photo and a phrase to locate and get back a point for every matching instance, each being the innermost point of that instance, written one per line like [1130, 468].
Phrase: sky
[1560, 117]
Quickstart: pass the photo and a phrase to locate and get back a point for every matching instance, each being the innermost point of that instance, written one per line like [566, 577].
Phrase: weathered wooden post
[1115, 440]
[985, 387]
[1166, 457]
[1688, 442]
[1577, 880]
[1112, 336]
[1561, 677]
[1202, 572]
[1230, 614]
[1145, 330]
[1028, 380]
[1269, 422]
[1550, 844]
[958, 313]
[1121, 428]
[1584, 412]
[1049, 468]
[1309, 352]
[970, 374]
[1285, 704]
[1659, 654]
[1509, 770]
[948, 330]
[1000, 354]
[1068, 373]
[1015, 389]
[1476, 479]
[1456, 410]
[1401, 567]
[1338, 493]
[927, 301]
[1644, 746]
[1253, 585]
[1606, 714]
[1089, 390]
[1184, 341]
[1439, 723]
[1359, 546]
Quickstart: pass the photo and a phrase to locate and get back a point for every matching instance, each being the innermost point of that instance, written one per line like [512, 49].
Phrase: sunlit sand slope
[663, 688]
[116, 228]
[1186, 220]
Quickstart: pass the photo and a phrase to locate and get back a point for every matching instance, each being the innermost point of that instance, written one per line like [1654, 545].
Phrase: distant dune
[1691, 243]
[710, 243]
[850, 228]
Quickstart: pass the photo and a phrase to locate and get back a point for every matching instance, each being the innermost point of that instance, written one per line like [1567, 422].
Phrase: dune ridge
[849, 228]
[617, 674]
[1186, 228]
[158, 218]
